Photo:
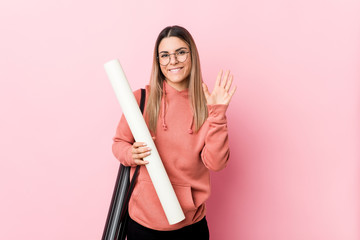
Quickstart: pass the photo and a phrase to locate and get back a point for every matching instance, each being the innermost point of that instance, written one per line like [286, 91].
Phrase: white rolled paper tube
[141, 133]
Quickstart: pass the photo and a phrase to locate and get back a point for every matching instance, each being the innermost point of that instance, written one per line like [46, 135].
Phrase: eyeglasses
[164, 58]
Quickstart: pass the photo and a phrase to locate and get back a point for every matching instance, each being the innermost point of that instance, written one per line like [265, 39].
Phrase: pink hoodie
[187, 157]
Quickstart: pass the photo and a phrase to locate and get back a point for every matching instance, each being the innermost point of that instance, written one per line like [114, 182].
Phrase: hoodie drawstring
[190, 131]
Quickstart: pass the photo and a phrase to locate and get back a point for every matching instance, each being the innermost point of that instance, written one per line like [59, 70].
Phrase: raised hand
[221, 93]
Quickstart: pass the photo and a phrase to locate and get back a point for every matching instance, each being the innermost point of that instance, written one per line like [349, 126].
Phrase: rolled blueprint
[138, 127]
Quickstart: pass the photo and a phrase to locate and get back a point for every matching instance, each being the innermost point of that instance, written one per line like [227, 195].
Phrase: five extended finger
[225, 78]
[218, 79]
[232, 93]
[229, 82]
[206, 90]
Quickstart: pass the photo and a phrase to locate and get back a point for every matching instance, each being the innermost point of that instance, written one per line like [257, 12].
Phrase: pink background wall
[294, 121]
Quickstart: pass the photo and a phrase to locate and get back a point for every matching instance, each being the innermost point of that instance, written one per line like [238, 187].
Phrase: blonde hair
[196, 94]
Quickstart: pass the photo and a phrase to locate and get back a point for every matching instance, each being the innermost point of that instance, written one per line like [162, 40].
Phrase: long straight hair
[196, 94]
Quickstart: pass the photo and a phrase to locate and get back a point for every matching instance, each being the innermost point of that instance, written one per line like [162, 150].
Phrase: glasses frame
[176, 57]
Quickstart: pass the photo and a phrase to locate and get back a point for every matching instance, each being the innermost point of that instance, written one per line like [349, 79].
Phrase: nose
[173, 59]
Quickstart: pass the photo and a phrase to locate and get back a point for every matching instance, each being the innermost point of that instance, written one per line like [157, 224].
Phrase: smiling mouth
[175, 69]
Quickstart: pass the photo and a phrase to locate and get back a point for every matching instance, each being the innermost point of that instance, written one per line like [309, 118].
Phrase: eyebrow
[175, 50]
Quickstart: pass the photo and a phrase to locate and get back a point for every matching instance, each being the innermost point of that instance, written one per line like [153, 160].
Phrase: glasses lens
[181, 56]
[164, 59]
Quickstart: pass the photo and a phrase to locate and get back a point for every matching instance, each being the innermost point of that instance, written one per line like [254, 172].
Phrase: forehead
[171, 44]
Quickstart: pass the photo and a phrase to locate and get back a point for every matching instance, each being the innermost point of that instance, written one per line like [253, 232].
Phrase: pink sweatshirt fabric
[187, 157]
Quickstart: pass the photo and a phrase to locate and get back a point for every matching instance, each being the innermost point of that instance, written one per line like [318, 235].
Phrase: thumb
[206, 90]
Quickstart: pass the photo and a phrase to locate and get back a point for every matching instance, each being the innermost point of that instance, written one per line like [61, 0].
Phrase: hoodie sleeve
[123, 139]
[216, 152]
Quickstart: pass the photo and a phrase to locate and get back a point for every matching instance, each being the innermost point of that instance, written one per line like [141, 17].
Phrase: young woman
[189, 127]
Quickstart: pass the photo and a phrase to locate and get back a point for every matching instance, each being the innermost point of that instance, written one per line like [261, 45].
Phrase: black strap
[142, 100]
[136, 173]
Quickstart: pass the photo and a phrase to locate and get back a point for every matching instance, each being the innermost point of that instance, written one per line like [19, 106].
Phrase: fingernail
[144, 144]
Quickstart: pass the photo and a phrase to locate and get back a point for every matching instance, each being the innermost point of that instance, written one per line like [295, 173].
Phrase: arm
[123, 141]
[215, 153]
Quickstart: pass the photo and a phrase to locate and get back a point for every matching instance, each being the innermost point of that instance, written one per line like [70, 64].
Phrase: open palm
[221, 93]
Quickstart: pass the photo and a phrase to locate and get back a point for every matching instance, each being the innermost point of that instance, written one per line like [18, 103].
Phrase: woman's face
[176, 72]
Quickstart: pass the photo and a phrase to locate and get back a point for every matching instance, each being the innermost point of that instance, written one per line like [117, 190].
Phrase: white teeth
[175, 70]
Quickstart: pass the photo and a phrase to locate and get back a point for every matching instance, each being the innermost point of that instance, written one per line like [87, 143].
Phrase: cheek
[163, 70]
[188, 69]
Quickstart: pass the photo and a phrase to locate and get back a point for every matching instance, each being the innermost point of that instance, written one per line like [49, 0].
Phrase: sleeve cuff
[217, 113]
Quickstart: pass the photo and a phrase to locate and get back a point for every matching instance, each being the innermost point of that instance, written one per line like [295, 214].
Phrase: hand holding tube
[139, 151]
